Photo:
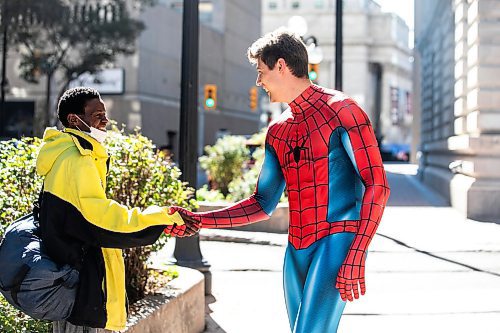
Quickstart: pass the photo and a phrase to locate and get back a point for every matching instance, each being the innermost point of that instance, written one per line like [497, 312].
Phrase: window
[319, 4]
[296, 4]
[273, 5]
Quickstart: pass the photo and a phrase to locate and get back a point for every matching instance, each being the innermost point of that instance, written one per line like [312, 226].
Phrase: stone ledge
[178, 309]
[476, 198]
[278, 223]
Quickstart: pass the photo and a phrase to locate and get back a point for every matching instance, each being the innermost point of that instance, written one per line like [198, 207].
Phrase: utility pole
[187, 250]
[338, 45]
[3, 84]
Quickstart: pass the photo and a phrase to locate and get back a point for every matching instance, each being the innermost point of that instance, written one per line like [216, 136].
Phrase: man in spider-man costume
[324, 150]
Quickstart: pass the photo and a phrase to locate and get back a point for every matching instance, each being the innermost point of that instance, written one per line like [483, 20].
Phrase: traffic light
[210, 102]
[253, 94]
[313, 72]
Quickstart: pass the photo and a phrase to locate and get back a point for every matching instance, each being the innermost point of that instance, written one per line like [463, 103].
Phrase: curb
[178, 309]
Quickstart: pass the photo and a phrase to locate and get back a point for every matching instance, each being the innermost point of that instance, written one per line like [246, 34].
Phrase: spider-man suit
[324, 149]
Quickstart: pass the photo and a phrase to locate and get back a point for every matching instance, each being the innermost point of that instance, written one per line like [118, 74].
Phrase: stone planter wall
[278, 223]
[179, 309]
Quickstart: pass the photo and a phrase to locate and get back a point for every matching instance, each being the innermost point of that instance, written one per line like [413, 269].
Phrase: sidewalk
[429, 270]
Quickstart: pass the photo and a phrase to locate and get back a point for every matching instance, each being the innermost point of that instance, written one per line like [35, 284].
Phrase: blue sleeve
[346, 142]
[271, 182]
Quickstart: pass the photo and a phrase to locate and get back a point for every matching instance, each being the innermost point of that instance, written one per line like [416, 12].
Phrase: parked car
[395, 152]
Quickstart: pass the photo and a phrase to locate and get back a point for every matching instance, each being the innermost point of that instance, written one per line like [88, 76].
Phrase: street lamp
[3, 84]
[187, 250]
[314, 52]
[339, 42]
[298, 24]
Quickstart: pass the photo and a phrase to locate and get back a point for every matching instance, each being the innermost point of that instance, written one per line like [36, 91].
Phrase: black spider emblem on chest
[300, 150]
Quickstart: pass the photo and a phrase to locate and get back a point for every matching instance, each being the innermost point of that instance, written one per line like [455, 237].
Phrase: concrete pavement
[429, 270]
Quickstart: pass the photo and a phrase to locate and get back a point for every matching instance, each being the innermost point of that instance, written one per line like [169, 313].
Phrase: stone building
[457, 65]
[376, 57]
[150, 91]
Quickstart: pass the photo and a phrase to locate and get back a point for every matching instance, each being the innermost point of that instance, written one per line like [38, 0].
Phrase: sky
[403, 8]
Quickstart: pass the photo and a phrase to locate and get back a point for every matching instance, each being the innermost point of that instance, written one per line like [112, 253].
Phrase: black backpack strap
[84, 143]
[40, 195]
[38, 204]
[58, 281]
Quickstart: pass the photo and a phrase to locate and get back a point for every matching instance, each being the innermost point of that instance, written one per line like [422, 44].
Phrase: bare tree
[71, 37]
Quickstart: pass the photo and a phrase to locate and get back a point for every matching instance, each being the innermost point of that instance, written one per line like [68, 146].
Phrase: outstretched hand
[351, 277]
[190, 227]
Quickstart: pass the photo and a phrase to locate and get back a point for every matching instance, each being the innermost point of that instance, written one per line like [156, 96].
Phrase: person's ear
[72, 120]
[281, 65]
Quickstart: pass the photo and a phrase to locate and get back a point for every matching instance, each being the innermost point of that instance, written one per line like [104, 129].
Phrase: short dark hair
[281, 43]
[73, 101]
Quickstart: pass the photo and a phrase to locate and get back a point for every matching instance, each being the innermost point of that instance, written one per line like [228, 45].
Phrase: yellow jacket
[81, 227]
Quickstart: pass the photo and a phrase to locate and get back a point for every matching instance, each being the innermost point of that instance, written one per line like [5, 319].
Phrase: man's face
[95, 114]
[269, 80]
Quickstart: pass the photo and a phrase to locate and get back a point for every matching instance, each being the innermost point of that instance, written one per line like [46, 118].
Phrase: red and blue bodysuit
[324, 150]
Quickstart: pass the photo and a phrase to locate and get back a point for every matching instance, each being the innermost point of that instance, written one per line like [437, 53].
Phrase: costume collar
[299, 104]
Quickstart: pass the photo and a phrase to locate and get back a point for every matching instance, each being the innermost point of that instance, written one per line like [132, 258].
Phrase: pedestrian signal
[253, 95]
[210, 97]
[313, 72]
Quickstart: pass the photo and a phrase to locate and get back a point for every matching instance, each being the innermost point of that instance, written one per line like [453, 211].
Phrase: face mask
[97, 134]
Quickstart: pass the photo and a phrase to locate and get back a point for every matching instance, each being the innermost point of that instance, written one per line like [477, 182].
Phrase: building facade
[457, 64]
[151, 89]
[376, 57]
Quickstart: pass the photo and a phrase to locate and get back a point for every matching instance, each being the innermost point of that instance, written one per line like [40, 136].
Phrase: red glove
[352, 273]
[190, 226]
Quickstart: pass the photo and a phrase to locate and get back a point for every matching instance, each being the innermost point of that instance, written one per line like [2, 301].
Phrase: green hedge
[223, 161]
[19, 188]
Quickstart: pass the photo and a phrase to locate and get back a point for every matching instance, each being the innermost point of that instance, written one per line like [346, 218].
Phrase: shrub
[19, 183]
[14, 321]
[138, 177]
[242, 185]
[205, 194]
[223, 161]
[19, 188]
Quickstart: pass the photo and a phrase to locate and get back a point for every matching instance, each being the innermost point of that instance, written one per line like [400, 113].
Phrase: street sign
[107, 81]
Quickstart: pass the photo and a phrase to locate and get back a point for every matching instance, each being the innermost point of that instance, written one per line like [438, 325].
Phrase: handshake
[191, 223]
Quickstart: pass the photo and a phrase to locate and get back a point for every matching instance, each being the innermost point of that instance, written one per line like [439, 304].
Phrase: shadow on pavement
[211, 325]
[438, 257]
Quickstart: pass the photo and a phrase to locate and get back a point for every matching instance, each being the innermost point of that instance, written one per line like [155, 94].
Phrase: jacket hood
[55, 142]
